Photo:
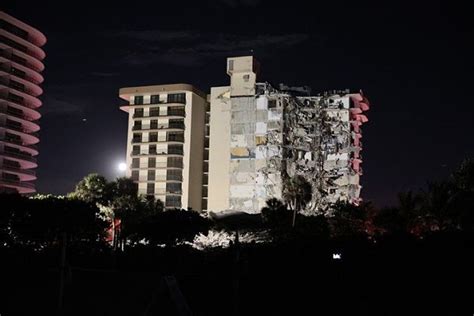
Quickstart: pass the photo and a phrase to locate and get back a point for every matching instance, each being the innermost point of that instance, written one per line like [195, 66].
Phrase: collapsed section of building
[244, 143]
[266, 136]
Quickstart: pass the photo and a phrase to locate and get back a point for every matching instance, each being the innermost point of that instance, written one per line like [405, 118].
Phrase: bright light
[336, 256]
[122, 166]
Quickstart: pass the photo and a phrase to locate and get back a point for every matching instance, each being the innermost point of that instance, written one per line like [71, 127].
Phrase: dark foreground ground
[395, 277]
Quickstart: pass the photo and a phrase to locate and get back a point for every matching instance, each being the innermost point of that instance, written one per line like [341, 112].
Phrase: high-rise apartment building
[20, 67]
[166, 139]
[262, 137]
[254, 139]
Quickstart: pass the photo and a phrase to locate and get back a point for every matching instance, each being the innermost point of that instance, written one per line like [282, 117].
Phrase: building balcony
[21, 44]
[21, 58]
[20, 128]
[19, 155]
[157, 154]
[158, 127]
[23, 174]
[20, 71]
[19, 144]
[13, 112]
[20, 186]
[172, 140]
[168, 114]
[157, 166]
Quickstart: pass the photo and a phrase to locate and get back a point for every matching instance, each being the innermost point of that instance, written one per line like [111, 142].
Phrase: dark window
[137, 138]
[173, 187]
[173, 201]
[176, 123]
[151, 162]
[138, 113]
[176, 111]
[135, 162]
[138, 99]
[13, 44]
[135, 175]
[176, 98]
[174, 174]
[18, 72]
[150, 188]
[204, 204]
[175, 149]
[154, 124]
[175, 162]
[152, 150]
[155, 112]
[137, 126]
[153, 137]
[272, 104]
[205, 179]
[175, 137]
[13, 29]
[155, 99]
[136, 150]
[151, 175]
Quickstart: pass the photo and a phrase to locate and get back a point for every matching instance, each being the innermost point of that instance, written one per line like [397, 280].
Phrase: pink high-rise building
[20, 79]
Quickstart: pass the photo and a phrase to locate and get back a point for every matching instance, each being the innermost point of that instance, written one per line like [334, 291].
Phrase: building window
[174, 175]
[152, 150]
[138, 100]
[175, 137]
[136, 150]
[153, 137]
[155, 112]
[137, 138]
[154, 124]
[272, 104]
[135, 162]
[176, 97]
[175, 162]
[175, 149]
[176, 123]
[173, 187]
[151, 175]
[204, 204]
[150, 188]
[246, 78]
[138, 113]
[137, 126]
[135, 175]
[151, 162]
[155, 99]
[173, 201]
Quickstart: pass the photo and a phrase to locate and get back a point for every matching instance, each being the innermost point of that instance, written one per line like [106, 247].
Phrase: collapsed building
[266, 136]
[242, 144]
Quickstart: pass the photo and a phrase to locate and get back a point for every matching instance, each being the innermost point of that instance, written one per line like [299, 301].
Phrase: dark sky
[413, 61]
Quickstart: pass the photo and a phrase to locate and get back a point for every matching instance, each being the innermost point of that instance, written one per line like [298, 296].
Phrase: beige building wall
[195, 107]
[219, 149]
[193, 158]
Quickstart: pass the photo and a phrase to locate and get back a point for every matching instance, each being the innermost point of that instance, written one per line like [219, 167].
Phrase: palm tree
[297, 194]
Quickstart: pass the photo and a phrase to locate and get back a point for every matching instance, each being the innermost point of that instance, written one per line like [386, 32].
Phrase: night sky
[413, 61]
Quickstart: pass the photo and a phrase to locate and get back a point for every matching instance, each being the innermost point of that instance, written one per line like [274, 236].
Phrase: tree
[93, 189]
[297, 194]
[170, 227]
[349, 220]
[275, 214]
[39, 222]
